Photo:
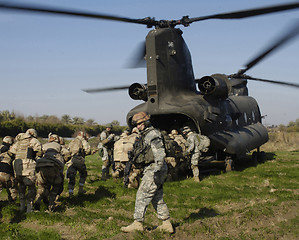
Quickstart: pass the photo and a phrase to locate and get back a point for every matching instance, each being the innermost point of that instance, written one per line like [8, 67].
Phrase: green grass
[255, 202]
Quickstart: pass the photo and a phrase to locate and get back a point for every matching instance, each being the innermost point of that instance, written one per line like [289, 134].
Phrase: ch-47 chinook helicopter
[217, 105]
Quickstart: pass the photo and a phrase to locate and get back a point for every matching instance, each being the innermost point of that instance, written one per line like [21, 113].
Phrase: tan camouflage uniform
[7, 179]
[121, 149]
[79, 148]
[26, 150]
[50, 171]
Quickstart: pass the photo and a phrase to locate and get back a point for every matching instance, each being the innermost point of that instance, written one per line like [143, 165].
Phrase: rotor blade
[138, 59]
[246, 13]
[96, 90]
[271, 81]
[38, 9]
[291, 33]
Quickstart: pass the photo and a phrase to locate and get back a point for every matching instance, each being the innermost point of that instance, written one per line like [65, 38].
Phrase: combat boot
[81, 190]
[166, 226]
[135, 226]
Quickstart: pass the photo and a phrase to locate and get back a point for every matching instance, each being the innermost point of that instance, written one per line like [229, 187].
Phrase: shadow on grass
[18, 217]
[79, 200]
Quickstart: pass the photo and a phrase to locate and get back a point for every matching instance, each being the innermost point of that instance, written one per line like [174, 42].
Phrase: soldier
[26, 150]
[106, 147]
[79, 148]
[173, 153]
[50, 171]
[195, 144]
[150, 153]
[120, 153]
[131, 173]
[183, 165]
[7, 179]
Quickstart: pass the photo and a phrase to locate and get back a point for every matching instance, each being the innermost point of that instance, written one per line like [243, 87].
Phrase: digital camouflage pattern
[154, 174]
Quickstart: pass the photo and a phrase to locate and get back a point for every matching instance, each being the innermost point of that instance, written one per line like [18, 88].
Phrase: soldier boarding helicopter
[218, 106]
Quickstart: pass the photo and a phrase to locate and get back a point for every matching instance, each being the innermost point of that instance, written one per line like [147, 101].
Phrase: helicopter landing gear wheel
[229, 164]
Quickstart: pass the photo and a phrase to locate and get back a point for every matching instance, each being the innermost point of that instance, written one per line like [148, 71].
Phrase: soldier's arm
[37, 147]
[158, 149]
[86, 147]
[190, 144]
[65, 153]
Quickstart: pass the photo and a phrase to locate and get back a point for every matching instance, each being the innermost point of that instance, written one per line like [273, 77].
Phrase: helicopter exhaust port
[216, 85]
[138, 91]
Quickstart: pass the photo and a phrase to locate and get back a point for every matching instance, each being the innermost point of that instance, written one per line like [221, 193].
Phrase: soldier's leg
[118, 169]
[40, 189]
[22, 191]
[83, 175]
[71, 175]
[105, 169]
[56, 188]
[31, 194]
[12, 190]
[194, 167]
[144, 196]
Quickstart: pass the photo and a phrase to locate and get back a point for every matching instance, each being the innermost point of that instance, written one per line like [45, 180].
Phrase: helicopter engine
[138, 91]
[216, 86]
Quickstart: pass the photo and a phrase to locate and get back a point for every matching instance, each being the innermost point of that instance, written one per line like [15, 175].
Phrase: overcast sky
[46, 60]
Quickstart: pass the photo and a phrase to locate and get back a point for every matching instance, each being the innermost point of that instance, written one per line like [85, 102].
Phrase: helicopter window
[245, 117]
[253, 116]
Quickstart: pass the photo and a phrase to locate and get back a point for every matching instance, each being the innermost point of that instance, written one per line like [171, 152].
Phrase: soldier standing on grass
[106, 147]
[7, 179]
[26, 151]
[49, 171]
[79, 148]
[149, 152]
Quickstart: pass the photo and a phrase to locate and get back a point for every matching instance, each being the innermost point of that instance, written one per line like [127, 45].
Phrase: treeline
[12, 124]
[293, 126]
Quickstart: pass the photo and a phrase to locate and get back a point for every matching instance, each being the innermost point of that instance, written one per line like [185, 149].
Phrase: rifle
[128, 169]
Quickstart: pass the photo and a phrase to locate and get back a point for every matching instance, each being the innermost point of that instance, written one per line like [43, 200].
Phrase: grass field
[255, 202]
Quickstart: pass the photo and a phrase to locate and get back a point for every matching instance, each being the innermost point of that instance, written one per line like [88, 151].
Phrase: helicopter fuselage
[231, 121]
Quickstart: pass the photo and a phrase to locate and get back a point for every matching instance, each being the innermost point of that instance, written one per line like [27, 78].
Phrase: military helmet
[8, 140]
[140, 118]
[174, 132]
[32, 132]
[54, 138]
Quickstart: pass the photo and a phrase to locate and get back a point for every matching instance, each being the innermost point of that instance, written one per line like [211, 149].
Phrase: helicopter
[218, 106]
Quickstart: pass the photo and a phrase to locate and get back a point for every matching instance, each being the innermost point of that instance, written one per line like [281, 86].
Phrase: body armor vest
[142, 153]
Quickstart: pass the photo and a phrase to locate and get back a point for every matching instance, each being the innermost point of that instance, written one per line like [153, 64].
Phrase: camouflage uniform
[50, 171]
[106, 147]
[196, 144]
[26, 149]
[149, 151]
[79, 148]
[7, 179]
[154, 174]
[121, 149]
